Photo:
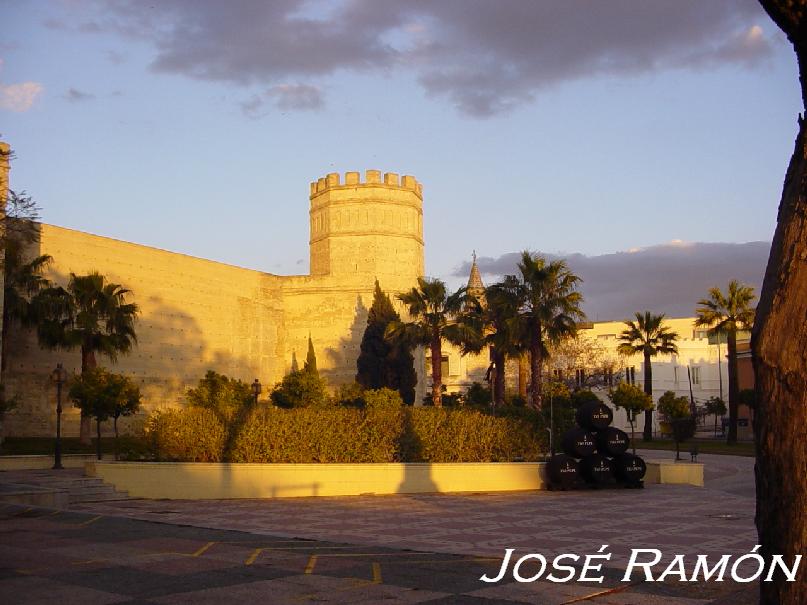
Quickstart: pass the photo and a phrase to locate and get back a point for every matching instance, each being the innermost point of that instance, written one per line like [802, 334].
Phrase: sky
[593, 131]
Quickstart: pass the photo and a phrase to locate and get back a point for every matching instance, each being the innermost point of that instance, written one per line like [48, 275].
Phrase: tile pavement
[386, 549]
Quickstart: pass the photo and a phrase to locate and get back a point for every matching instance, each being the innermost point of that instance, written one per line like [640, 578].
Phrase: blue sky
[558, 127]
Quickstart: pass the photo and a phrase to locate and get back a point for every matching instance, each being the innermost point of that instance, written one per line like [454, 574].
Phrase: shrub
[382, 399]
[477, 395]
[300, 389]
[190, 435]
[350, 395]
[385, 431]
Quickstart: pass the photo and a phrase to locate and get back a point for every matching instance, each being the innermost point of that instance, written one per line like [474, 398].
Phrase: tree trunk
[647, 434]
[498, 377]
[779, 344]
[536, 359]
[734, 390]
[437, 369]
[87, 363]
[522, 375]
[98, 440]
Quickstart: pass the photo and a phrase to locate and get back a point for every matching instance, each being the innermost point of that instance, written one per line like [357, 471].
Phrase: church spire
[475, 286]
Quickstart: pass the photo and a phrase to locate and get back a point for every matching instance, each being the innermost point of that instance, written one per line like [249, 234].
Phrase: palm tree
[92, 314]
[549, 311]
[726, 314]
[23, 281]
[433, 315]
[648, 336]
[492, 322]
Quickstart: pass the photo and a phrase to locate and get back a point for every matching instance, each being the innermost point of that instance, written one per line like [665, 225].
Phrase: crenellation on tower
[372, 178]
[371, 227]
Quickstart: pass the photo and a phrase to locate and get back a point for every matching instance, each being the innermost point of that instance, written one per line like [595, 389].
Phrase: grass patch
[705, 446]
[130, 447]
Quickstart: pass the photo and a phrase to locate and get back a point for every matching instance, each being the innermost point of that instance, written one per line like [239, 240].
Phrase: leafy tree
[91, 313]
[549, 311]
[310, 364]
[382, 362]
[649, 336]
[633, 400]
[222, 395]
[779, 344]
[678, 413]
[300, 389]
[599, 367]
[727, 314]
[102, 395]
[433, 314]
[716, 407]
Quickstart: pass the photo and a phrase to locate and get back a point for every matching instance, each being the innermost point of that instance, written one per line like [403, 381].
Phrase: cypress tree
[310, 358]
[381, 363]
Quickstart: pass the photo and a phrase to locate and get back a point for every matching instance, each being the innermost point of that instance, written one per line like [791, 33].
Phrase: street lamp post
[256, 390]
[59, 376]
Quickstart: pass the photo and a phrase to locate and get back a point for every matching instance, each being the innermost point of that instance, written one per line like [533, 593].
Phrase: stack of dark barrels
[595, 454]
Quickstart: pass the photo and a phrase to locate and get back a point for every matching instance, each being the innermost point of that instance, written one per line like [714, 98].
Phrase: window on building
[558, 374]
[444, 365]
[608, 377]
[607, 336]
[630, 375]
[695, 373]
[579, 377]
[700, 334]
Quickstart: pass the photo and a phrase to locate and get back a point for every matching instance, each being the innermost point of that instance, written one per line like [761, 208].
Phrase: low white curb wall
[200, 480]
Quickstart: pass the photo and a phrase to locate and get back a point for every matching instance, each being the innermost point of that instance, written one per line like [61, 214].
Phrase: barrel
[629, 469]
[612, 442]
[594, 416]
[598, 469]
[579, 443]
[563, 471]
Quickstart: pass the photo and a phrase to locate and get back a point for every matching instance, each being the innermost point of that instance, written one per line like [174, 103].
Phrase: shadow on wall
[171, 355]
[342, 357]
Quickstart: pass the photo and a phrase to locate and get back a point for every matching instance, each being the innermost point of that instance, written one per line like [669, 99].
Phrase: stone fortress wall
[199, 314]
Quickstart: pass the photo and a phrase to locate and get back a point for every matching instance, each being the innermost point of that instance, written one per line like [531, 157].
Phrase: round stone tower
[371, 228]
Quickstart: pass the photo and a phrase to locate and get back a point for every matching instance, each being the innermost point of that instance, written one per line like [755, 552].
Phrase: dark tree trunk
[498, 377]
[87, 363]
[437, 369]
[779, 345]
[734, 389]
[536, 361]
[647, 434]
[523, 372]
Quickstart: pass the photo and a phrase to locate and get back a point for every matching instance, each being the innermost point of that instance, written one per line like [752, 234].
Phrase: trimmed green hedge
[376, 434]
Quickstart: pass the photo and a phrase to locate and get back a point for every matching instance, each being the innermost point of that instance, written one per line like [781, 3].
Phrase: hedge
[375, 434]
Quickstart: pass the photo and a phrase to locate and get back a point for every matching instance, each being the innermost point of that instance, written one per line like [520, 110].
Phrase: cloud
[484, 57]
[19, 97]
[286, 97]
[77, 96]
[669, 278]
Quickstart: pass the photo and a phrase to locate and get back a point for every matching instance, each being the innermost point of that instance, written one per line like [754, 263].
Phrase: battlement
[372, 178]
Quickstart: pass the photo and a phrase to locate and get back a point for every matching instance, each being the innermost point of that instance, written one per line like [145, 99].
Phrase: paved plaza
[374, 549]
